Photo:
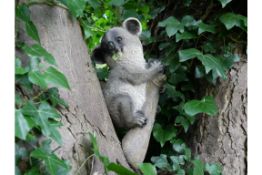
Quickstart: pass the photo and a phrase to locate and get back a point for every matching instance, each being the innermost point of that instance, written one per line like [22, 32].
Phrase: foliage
[36, 102]
[197, 47]
[146, 168]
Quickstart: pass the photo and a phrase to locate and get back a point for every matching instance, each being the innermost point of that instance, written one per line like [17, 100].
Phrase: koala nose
[111, 45]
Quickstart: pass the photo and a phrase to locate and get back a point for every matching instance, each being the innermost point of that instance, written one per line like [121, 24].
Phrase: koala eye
[119, 39]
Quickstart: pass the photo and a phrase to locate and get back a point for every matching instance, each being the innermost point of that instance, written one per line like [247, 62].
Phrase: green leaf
[172, 25]
[21, 125]
[45, 111]
[183, 121]
[224, 2]
[213, 169]
[188, 21]
[32, 31]
[30, 109]
[94, 3]
[37, 78]
[202, 27]
[173, 93]
[55, 77]
[177, 161]
[53, 164]
[147, 169]
[76, 7]
[198, 167]
[33, 171]
[55, 134]
[119, 169]
[213, 63]
[184, 36]
[19, 70]
[117, 2]
[231, 19]
[206, 105]
[37, 50]
[163, 135]
[188, 54]
[55, 97]
[22, 12]
[181, 172]
[161, 162]
[179, 146]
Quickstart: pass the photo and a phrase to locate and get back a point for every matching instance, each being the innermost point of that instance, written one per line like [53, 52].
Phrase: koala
[125, 89]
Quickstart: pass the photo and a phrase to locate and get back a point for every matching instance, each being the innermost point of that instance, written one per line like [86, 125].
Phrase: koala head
[123, 39]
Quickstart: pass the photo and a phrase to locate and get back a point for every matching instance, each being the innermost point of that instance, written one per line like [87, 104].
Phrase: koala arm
[142, 76]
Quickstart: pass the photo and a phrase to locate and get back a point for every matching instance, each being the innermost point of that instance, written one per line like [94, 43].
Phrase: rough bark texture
[61, 35]
[223, 138]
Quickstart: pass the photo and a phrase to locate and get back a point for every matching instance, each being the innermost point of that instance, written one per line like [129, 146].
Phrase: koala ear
[133, 25]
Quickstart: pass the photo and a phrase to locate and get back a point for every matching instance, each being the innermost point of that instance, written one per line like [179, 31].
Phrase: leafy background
[197, 41]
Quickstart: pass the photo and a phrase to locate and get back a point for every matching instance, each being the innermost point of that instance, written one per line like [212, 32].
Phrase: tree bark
[223, 138]
[60, 34]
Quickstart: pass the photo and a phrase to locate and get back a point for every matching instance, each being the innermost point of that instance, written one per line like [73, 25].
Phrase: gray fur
[125, 90]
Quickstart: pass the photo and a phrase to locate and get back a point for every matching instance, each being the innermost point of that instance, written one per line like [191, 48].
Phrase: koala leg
[126, 117]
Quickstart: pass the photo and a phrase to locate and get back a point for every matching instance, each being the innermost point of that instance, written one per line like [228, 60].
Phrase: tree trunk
[223, 138]
[60, 34]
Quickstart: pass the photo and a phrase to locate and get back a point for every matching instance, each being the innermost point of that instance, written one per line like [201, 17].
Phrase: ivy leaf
[179, 146]
[32, 31]
[188, 21]
[94, 3]
[117, 2]
[184, 36]
[21, 125]
[19, 70]
[37, 78]
[181, 172]
[187, 54]
[183, 121]
[161, 161]
[231, 19]
[32, 171]
[45, 111]
[172, 25]
[147, 169]
[54, 96]
[202, 27]
[37, 50]
[213, 63]
[54, 133]
[53, 164]
[29, 109]
[206, 105]
[76, 7]
[22, 12]
[198, 167]
[55, 77]
[164, 135]
[224, 2]
[213, 169]
[119, 169]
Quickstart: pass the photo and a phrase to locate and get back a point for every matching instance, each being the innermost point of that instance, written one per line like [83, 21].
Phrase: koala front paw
[140, 119]
[157, 66]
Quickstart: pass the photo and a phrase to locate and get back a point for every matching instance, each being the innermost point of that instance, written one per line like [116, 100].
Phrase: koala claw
[156, 65]
[140, 119]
